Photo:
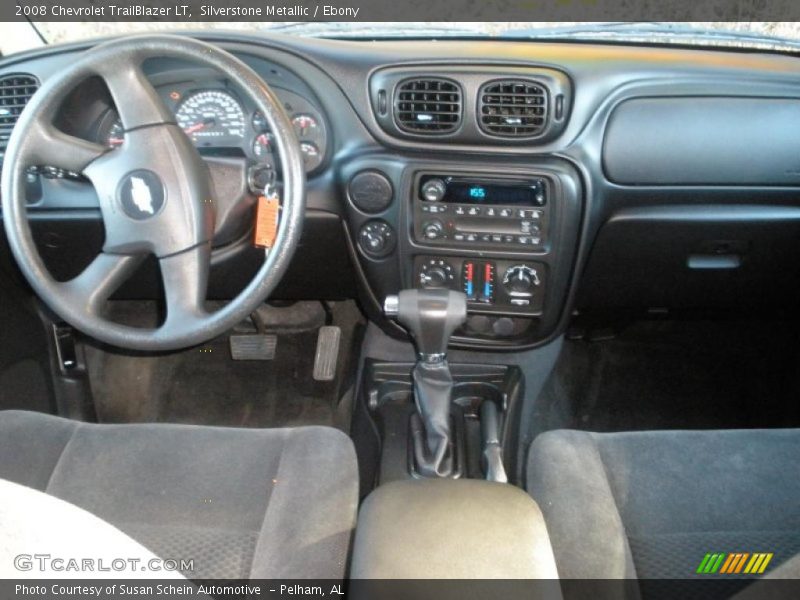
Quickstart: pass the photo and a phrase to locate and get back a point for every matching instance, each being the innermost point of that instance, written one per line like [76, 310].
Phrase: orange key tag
[266, 229]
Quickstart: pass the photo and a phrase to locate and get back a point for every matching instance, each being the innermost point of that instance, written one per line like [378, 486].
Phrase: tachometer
[212, 118]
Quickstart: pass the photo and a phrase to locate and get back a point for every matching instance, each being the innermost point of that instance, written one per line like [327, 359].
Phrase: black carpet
[205, 386]
[678, 375]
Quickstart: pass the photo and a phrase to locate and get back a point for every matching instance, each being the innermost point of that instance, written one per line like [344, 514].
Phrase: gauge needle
[195, 127]
[198, 126]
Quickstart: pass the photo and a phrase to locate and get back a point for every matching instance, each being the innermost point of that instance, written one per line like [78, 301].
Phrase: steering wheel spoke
[55, 148]
[185, 279]
[137, 102]
[104, 275]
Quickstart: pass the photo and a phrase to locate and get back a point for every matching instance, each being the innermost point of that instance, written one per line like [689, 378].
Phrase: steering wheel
[155, 195]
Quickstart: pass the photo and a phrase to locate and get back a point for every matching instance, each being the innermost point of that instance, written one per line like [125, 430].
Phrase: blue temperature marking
[487, 289]
[477, 192]
[469, 288]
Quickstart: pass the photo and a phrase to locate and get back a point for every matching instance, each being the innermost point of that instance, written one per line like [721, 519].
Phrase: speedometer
[212, 118]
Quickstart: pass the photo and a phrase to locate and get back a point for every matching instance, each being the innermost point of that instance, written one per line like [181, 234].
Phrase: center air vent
[428, 105]
[15, 92]
[513, 108]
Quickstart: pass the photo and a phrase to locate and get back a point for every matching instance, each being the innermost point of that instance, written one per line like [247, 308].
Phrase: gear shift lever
[430, 316]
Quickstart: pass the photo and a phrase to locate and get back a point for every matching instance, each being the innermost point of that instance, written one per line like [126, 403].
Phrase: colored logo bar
[733, 563]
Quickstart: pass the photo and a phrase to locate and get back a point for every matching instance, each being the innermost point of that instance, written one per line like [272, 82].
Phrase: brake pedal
[253, 347]
[327, 353]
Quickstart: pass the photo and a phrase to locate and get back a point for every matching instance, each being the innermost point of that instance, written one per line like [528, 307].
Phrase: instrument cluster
[219, 121]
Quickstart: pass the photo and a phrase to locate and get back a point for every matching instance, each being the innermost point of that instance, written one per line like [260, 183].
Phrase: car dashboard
[541, 179]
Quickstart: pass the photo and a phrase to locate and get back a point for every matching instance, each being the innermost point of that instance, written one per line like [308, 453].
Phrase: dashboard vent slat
[428, 105]
[513, 108]
[15, 92]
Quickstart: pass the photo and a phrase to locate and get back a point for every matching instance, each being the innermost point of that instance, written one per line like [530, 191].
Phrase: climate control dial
[520, 281]
[436, 273]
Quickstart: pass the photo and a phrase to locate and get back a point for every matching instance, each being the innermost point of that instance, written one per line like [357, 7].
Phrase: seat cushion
[260, 503]
[652, 504]
[31, 521]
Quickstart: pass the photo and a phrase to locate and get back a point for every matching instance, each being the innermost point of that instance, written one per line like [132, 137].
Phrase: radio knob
[433, 190]
[520, 281]
[433, 230]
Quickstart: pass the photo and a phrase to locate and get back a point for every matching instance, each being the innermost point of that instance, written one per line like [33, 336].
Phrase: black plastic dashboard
[670, 175]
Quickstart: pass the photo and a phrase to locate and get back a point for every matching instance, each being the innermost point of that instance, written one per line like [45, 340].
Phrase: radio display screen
[511, 193]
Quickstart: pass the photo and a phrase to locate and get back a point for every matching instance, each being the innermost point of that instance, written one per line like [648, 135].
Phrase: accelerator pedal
[327, 353]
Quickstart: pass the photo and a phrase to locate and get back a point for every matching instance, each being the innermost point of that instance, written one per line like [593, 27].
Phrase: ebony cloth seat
[240, 503]
[651, 504]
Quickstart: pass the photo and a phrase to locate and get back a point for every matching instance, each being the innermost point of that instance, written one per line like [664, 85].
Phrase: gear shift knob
[431, 316]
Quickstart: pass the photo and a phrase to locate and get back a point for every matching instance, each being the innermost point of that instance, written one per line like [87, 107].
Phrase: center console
[504, 234]
[452, 529]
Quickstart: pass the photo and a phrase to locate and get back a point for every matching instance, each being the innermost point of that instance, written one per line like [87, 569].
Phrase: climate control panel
[504, 286]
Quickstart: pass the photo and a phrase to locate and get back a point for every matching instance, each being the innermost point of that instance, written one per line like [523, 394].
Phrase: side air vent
[427, 105]
[513, 108]
[15, 92]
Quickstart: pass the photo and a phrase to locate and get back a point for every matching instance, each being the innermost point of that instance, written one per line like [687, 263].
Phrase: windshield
[15, 37]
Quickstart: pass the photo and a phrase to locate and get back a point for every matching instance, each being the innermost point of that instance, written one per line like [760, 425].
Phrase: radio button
[490, 212]
[471, 237]
[508, 239]
[458, 237]
[460, 210]
[497, 238]
[474, 211]
[524, 239]
[506, 212]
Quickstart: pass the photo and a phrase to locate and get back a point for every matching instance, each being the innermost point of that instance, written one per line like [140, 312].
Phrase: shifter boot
[431, 434]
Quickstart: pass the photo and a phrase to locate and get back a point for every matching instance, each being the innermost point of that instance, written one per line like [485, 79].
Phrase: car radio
[480, 211]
